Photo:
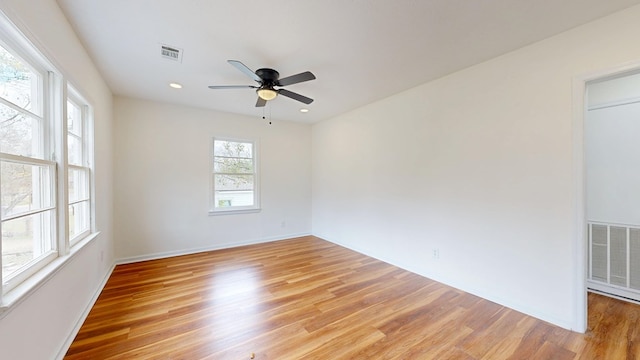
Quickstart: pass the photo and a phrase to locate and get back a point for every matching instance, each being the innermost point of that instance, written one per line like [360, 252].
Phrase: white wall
[40, 326]
[612, 150]
[478, 164]
[163, 178]
[612, 155]
[619, 89]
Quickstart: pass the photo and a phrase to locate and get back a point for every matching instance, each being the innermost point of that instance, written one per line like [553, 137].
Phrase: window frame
[217, 210]
[44, 114]
[87, 153]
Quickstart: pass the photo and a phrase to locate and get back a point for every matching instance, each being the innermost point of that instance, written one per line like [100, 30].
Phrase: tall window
[37, 203]
[79, 171]
[235, 176]
[28, 174]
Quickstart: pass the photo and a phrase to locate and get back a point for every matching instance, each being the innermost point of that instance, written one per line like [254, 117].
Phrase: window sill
[233, 212]
[33, 283]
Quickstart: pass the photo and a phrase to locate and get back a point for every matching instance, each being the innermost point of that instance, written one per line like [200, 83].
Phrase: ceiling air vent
[171, 53]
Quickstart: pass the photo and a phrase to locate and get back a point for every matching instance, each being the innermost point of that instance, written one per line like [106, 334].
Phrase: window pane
[233, 182]
[25, 239]
[18, 133]
[78, 218]
[233, 165]
[233, 190]
[78, 184]
[25, 187]
[74, 119]
[18, 84]
[233, 198]
[74, 145]
[232, 149]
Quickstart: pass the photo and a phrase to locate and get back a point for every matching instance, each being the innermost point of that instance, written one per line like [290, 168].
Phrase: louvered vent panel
[618, 255]
[599, 259]
[634, 255]
[599, 234]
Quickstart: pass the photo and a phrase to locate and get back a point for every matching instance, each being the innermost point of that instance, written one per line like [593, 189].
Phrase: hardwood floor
[306, 298]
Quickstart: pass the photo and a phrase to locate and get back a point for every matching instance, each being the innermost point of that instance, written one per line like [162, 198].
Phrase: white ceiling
[359, 50]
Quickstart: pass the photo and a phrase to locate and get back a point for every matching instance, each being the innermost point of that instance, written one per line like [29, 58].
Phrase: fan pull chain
[264, 117]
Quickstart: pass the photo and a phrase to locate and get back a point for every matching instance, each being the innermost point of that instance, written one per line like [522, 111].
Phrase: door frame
[579, 110]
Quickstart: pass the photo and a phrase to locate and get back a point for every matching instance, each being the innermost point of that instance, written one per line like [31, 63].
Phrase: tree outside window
[234, 175]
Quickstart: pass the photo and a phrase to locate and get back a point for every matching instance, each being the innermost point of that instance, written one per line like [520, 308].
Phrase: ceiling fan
[268, 80]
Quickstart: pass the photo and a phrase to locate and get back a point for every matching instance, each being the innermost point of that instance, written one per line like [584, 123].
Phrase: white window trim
[44, 157]
[256, 191]
[88, 157]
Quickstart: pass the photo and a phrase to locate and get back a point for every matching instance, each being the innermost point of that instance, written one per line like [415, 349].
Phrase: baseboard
[614, 294]
[166, 254]
[83, 317]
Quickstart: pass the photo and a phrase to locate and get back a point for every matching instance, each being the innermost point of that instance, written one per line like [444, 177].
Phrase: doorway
[611, 179]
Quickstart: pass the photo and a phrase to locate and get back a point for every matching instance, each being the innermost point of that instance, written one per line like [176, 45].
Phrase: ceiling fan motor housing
[269, 77]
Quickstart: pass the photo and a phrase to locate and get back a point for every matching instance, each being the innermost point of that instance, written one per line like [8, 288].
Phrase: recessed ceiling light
[303, 110]
[175, 85]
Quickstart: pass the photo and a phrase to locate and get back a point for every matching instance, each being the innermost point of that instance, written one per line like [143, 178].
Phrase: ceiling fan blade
[242, 67]
[298, 78]
[232, 87]
[295, 96]
[261, 102]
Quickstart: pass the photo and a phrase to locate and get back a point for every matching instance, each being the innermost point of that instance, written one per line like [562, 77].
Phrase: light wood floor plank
[306, 298]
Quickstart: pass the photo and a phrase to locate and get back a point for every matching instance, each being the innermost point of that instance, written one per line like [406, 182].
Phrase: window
[79, 171]
[37, 203]
[27, 172]
[235, 176]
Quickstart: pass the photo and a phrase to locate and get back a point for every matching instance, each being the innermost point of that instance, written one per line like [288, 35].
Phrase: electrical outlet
[283, 224]
[435, 253]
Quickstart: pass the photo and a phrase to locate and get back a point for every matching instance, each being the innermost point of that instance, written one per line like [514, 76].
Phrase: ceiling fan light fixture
[267, 93]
